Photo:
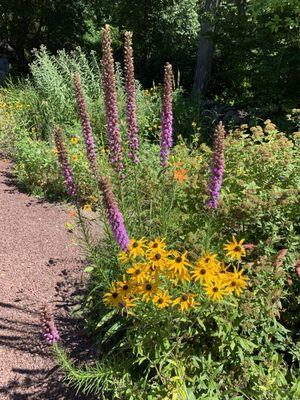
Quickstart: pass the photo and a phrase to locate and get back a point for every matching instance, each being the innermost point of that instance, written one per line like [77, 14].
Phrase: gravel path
[38, 263]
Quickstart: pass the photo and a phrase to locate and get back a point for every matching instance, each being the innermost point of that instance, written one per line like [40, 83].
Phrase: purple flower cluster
[110, 100]
[49, 331]
[216, 167]
[85, 122]
[166, 116]
[114, 215]
[63, 160]
[132, 129]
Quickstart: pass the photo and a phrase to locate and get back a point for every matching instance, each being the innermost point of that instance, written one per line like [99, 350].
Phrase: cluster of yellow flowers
[167, 278]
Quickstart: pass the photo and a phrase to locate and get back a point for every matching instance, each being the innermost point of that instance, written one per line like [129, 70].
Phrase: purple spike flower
[110, 100]
[85, 122]
[132, 129]
[166, 116]
[114, 215]
[63, 160]
[216, 167]
[50, 332]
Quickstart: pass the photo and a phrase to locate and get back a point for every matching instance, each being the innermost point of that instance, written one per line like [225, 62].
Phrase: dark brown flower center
[125, 287]
[135, 244]
[155, 245]
[215, 289]
[158, 256]
[237, 248]
[203, 271]
[137, 271]
[115, 295]
[184, 297]
[148, 286]
[178, 260]
[233, 283]
[160, 300]
[207, 260]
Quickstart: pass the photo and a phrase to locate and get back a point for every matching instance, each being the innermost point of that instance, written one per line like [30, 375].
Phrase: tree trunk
[205, 50]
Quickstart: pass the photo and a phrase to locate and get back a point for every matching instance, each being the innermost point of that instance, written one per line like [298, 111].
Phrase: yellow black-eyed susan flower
[185, 301]
[235, 249]
[161, 299]
[138, 272]
[236, 281]
[216, 289]
[136, 247]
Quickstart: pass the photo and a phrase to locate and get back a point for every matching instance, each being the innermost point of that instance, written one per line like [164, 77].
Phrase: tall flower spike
[132, 129]
[85, 123]
[63, 160]
[166, 116]
[216, 167]
[114, 215]
[110, 99]
[49, 330]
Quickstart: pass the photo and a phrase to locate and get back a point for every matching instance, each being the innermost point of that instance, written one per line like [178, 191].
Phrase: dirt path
[38, 264]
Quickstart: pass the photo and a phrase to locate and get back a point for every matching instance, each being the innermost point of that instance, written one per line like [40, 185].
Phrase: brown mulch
[39, 263]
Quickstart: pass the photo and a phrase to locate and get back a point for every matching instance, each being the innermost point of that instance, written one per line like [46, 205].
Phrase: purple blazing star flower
[114, 215]
[110, 100]
[166, 141]
[132, 129]
[50, 332]
[85, 123]
[64, 164]
[216, 167]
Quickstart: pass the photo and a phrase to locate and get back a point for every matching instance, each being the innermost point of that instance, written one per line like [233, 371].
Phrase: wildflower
[216, 167]
[131, 120]
[244, 126]
[138, 272]
[166, 141]
[148, 289]
[115, 216]
[179, 261]
[161, 299]
[236, 281]
[194, 124]
[63, 159]
[235, 249]
[216, 288]
[85, 122]
[50, 332]
[156, 245]
[74, 140]
[136, 247]
[185, 301]
[110, 100]
[55, 151]
[75, 157]
[125, 287]
[113, 297]
[203, 273]
[177, 268]
[157, 259]
[208, 259]
[87, 207]
[180, 175]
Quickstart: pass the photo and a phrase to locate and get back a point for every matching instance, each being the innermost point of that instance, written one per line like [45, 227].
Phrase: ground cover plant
[194, 291]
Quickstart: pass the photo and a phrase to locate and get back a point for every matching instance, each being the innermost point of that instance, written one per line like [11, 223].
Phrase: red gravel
[37, 255]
